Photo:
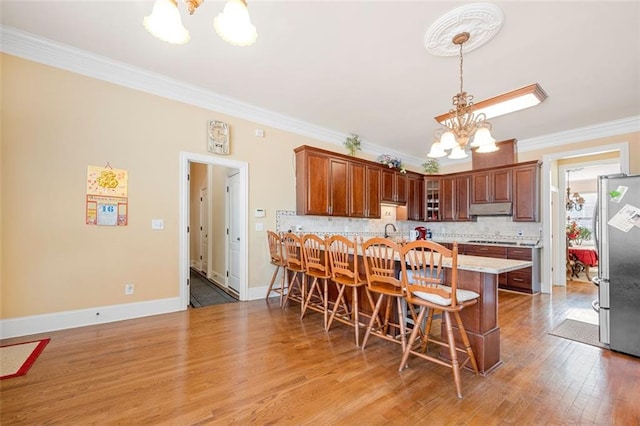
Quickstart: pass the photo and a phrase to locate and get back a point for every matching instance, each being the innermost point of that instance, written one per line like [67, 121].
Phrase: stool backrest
[275, 248]
[316, 257]
[423, 269]
[293, 251]
[343, 258]
[380, 256]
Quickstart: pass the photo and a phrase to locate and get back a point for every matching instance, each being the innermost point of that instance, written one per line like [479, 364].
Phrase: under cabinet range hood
[491, 209]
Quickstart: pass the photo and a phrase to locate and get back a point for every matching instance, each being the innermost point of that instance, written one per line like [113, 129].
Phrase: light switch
[259, 226]
[157, 224]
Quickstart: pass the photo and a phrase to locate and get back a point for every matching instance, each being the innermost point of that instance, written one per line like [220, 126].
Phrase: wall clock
[218, 137]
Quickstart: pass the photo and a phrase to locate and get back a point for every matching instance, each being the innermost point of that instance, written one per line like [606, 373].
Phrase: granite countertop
[489, 265]
[489, 242]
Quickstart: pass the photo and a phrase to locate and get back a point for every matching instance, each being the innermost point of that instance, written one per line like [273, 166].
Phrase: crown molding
[581, 134]
[44, 51]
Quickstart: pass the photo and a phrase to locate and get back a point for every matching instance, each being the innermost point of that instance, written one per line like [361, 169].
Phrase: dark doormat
[206, 293]
[579, 331]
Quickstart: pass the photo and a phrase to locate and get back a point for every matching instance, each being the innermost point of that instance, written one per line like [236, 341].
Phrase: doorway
[553, 214]
[240, 216]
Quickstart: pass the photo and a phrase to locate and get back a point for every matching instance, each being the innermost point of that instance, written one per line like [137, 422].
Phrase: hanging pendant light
[463, 125]
[165, 22]
[234, 25]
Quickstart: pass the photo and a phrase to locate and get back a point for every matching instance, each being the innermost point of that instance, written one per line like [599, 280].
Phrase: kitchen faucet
[386, 234]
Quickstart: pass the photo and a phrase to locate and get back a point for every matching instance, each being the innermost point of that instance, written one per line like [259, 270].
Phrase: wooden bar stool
[295, 268]
[380, 256]
[343, 258]
[316, 261]
[422, 276]
[277, 259]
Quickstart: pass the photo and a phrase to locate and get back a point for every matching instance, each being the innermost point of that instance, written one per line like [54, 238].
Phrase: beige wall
[55, 124]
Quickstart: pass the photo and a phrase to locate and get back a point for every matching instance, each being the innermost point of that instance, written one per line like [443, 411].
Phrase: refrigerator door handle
[594, 224]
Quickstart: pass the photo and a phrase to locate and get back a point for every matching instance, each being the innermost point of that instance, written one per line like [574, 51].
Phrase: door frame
[183, 221]
[551, 250]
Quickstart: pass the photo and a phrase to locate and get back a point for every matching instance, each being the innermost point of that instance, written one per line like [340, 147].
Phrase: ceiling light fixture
[165, 22]
[462, 123]
[575, 201]
[516, 100]
[233, 25]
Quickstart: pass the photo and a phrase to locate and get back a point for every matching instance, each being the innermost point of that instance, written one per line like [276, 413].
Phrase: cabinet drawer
[519, 279]
[519, 253]
[485, 251]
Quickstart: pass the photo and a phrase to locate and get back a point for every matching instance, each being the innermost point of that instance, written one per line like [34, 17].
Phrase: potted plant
[352, 143]
[391, 162]
[431, 166]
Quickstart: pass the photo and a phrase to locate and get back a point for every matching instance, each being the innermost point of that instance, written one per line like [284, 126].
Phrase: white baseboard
[24, 326]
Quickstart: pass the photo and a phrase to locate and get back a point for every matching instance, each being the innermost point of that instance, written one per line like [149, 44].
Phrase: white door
[234, 231]
[204, 230]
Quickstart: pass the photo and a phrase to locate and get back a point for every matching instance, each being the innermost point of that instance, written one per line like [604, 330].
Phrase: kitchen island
[480, 274]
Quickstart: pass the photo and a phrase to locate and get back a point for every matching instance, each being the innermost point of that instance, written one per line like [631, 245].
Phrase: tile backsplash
[486, 227]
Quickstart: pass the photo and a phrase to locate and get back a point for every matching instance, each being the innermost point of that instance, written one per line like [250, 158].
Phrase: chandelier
[462, 124]
[233, 25]
[575, 201]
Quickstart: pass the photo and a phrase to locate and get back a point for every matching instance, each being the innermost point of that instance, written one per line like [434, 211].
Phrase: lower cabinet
[526, 280]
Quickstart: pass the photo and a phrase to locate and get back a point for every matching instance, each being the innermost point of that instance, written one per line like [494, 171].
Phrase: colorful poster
[106, 181]
[107, 201]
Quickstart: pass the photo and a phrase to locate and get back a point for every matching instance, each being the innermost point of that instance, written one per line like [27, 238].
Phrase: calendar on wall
[107, 200]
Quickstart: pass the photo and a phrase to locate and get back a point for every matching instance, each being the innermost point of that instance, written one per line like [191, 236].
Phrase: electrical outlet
[128, 288]
[520, 232]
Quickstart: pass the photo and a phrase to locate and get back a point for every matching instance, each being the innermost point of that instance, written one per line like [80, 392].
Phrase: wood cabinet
[321, 184]
[492, 186]
[528, 279]
[432, 199]
[364, 190]
[415, 197]
[526, 192]
[462, 183]
[394, 187]
[454, 198]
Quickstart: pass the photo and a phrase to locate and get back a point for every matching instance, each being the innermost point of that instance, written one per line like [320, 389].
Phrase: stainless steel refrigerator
[617, 235]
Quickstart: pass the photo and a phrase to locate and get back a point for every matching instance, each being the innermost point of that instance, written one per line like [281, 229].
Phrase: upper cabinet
[492, 186]
[454, 198]
[364, 189]
[432, 198]
[321, 184]
[330, 184]
[394, 187]
[526, 192]
[415, 197]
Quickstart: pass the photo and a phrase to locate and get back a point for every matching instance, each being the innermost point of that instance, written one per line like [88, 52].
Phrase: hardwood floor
[252, 363]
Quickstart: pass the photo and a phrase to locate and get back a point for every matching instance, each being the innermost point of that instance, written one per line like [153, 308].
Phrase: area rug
[579, 331]
[206, 293]
[17, 359]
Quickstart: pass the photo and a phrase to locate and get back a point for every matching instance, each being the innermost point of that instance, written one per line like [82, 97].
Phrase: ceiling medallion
[481, 20]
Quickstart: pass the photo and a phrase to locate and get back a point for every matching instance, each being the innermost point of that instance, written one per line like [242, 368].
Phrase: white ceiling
[361, 67]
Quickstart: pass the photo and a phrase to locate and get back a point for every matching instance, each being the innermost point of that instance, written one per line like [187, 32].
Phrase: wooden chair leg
[341, 289]
[402, 323]
[355, 314]
[372, 321]
[412, 339]
[314, 286]
[427, 330]
[453, 353]
[465, 342]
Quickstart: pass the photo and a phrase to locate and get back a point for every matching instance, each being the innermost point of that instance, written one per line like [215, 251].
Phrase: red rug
[17, 359]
